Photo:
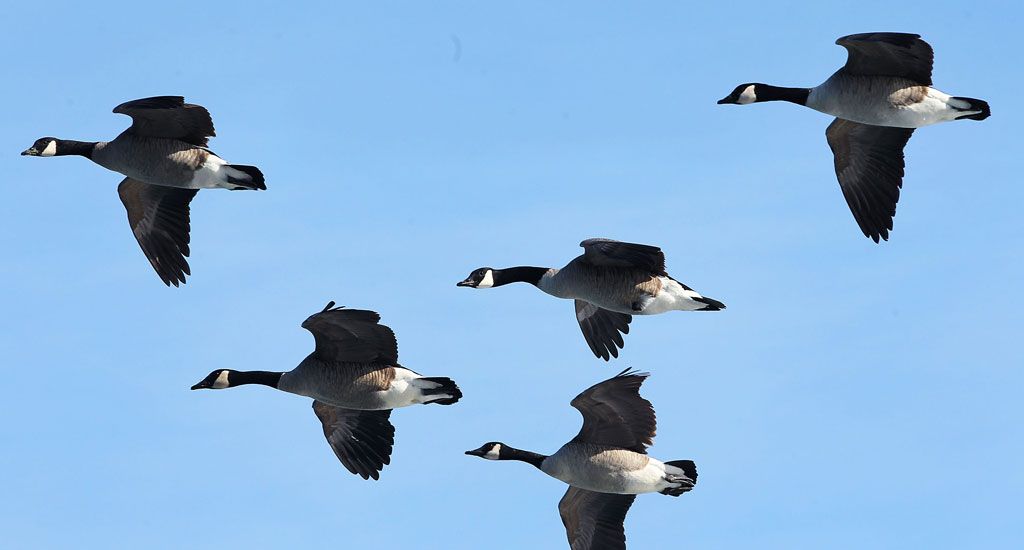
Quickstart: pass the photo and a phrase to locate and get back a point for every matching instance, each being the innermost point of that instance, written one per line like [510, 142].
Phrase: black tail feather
[686, 483]
[687, 466]
[447, 388]
[975, 105]
[712, 304]
[256, 182]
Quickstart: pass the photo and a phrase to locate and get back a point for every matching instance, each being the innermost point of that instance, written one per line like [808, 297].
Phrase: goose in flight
[354, 379]
[879, 97]
[606, 465]
[610, 282]
[164, 159]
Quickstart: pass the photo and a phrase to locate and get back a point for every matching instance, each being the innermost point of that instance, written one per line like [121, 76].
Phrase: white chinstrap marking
[493, 453]
[50, 150]
[488, 280]
[747, 96]
[222, 381]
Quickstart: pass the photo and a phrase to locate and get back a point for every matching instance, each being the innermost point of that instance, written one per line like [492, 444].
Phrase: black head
[490, 451]
[744, 94]
[480, 278]
[216, 380]
[43, 147]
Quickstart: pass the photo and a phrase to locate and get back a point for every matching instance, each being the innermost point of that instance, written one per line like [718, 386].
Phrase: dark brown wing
[614, 414]
[869, 166]
[169, 117]
[609, 253]
[158, 216]
[362, 440]
[351, 336]
[889, 54]
[601, 328]
[594, 521]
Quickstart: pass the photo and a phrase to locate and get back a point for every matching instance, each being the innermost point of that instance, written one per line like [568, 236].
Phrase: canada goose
[881, 94]
[164, 156]
[606, 464]
[355, 380]
[610, 282]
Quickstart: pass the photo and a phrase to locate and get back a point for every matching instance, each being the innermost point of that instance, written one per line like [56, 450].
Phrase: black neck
[767, 92]
[72, 147]
[241, 378]
[511, 453]
[521, 274]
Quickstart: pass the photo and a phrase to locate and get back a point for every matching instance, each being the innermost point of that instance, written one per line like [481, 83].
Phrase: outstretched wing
[158, 216]
[614, 414]
[606, 252]
[869, 166]
[593, 521]
[352, 336]
[601, 328]
[169, 117]
[362, 440]
[889, 54]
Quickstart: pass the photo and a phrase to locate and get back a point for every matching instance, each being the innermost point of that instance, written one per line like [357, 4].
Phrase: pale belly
[603, 472]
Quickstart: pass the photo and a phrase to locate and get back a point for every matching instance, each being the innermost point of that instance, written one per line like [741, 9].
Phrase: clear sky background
[852, 395]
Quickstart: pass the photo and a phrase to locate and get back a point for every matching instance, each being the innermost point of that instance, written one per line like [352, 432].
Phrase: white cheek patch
[493, 453]
[748, 96]
[488, 280]
[222, 381]
[50, 150]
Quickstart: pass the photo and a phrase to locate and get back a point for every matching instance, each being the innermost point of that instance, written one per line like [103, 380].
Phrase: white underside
[214, 174]
[407, 389]
[673, 297]
[935, 108]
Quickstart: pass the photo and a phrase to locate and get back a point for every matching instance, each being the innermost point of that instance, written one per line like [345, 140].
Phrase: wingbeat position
[606, 464]
[164, 156]
[355, 380]
[610, 282]
[878, 98]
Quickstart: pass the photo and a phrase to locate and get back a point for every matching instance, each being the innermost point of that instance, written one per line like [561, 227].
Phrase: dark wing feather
[594, 521]
[889, 54]
[606, 252]
[169, 117]
[614, 414]
[158, 216]
[601, 328]
[352, 336]
[869, 166]
[362, 440]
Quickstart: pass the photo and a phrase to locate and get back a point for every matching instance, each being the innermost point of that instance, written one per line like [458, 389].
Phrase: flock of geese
[878, 97]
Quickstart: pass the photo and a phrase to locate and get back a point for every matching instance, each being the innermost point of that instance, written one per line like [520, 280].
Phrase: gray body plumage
[349, 385]
[613, 288]
[600, 468]
[877, 100]
[157, 161]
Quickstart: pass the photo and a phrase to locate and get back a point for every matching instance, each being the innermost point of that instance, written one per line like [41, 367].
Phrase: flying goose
[878, 98]
[355, 380]
[606, 464]
[610, 282]
[164, 156]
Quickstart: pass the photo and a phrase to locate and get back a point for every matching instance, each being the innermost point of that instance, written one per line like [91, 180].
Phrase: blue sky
[853, 395]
